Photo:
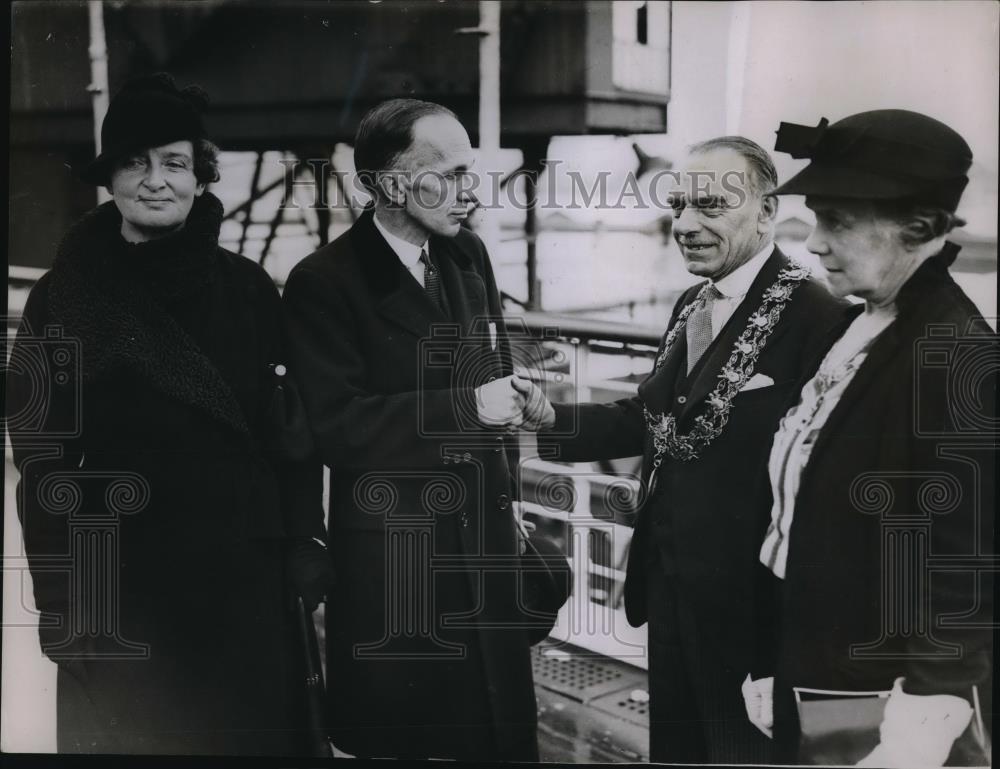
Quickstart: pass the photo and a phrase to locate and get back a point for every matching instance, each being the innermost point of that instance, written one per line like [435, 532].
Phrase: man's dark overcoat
[893, 520]
[154, 503]
[694, 551]
[423, 652]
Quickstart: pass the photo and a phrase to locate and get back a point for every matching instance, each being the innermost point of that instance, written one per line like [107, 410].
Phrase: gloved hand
[758, 696]
[310, 572]
[524, 528]
[918, 730]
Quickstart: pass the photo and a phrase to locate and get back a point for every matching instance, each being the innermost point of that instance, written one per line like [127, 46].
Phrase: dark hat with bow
[147, 112]
[884, 154]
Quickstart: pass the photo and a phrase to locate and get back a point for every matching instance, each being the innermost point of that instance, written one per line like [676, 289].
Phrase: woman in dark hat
[168, 504]
[883, 473]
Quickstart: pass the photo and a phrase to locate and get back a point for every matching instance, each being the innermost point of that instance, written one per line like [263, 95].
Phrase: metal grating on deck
[581, 678]
[590, 708]
[622, 705]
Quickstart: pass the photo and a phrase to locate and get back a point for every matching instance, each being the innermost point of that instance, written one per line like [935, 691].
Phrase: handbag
[546, 583]
[838, 727]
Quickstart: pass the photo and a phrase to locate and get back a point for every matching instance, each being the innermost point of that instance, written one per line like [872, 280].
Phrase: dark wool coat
[423, 653]
[154, 505]
[704, 523]
[910, 447]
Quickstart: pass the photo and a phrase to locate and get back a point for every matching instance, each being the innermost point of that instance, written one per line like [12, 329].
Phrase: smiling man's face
[154, 190]
[720, 221]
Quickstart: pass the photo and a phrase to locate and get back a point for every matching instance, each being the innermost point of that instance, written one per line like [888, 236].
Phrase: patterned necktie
[432, 280]
[699, 328]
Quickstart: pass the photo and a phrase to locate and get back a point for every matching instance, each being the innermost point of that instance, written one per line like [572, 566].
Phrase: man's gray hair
[763, 177]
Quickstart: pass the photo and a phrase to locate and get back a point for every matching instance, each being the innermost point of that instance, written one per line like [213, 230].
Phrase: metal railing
[588, 508]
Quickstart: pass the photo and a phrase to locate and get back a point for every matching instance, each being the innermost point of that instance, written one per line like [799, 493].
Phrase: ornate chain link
[737, 371]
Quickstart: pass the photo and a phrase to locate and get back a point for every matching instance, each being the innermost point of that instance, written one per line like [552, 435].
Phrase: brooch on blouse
[735, 373]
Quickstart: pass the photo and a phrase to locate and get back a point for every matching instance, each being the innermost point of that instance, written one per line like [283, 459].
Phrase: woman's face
[154, 189]
[862, 253]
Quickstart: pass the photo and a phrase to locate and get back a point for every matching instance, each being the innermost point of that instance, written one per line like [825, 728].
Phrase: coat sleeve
[287, 441]
[511, 447]
[589, 432]
[43, 422]
[354, 427]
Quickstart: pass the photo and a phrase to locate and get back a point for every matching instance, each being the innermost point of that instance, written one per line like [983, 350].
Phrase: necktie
[699, 328]
[432, 280]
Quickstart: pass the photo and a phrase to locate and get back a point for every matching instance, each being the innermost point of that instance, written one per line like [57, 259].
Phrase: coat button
[681, 399]
[464, 518]
[499, 446]
[503, 501]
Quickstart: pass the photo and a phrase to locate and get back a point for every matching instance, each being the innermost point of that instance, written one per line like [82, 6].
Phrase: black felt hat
[147, 112]
[882, 155]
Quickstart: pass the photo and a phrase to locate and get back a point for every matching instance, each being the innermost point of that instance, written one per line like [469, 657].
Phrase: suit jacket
[389, 386]
[903, 470]
[707, 517]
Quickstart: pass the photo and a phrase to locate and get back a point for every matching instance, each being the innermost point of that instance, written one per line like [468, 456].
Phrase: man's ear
[391, 185]
[768, 213]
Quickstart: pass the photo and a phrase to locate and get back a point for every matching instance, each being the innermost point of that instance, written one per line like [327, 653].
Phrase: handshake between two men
[514, 402]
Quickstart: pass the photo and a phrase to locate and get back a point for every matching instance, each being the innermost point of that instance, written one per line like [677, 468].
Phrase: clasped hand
[514, 402]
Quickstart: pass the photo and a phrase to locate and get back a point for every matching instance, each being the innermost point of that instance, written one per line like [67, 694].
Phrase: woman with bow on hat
[883, 472]
[160, 456]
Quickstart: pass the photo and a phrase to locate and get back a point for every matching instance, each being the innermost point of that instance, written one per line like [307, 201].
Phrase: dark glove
[310, 572]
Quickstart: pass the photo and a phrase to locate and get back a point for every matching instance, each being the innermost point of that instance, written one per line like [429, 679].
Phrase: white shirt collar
[408, 253]
[738, 282]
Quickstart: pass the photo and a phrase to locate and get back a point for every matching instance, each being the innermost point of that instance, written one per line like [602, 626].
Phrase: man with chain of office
[735, 347]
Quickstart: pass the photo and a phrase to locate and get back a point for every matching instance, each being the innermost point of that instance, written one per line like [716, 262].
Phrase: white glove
[500, 403]
[758, 696]
[524, 528]
[918, 731]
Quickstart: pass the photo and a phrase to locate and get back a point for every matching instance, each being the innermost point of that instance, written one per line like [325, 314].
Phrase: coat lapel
[705, 375]
[657, 391]
[464, 287]
[887, 346]
[399, 298]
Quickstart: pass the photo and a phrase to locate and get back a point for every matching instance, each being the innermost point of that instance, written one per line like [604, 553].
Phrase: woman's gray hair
[923, 222]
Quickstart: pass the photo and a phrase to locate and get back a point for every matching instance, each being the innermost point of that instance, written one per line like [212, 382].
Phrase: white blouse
[798, 430]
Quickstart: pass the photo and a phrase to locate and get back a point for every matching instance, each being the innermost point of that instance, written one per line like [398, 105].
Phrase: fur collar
[115, 306]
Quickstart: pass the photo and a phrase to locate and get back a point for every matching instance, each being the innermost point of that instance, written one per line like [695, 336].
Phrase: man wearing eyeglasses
[409, 390]
[735, 347]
